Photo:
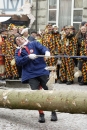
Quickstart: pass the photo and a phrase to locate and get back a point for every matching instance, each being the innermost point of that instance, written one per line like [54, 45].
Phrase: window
[30, 1]
[52, 11]
[77, 13]
[52, 4]
[65, 12]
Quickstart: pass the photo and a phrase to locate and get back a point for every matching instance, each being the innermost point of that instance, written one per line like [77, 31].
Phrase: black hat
[16, 37]
[33, 31]
[83, 23]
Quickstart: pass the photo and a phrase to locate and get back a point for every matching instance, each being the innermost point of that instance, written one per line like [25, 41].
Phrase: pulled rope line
[55, 56]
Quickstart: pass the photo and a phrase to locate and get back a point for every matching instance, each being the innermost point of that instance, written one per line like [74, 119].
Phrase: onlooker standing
[33, 34]
[8, 49]
[27, 36]
[69, 48]
[82, 45]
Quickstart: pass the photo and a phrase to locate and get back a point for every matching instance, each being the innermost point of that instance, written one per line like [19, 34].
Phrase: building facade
[9, 13]
[59, 12]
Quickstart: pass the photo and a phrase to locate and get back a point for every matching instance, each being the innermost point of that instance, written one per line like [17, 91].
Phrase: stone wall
[84, 10]
[41, 14]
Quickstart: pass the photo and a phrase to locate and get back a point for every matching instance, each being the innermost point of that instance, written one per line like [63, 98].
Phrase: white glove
[47, 54]
[32, 56]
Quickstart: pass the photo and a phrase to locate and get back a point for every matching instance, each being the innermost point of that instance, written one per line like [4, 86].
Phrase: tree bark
[68, 101]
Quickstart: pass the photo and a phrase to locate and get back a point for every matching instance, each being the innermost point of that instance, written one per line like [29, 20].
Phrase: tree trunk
[69, 101]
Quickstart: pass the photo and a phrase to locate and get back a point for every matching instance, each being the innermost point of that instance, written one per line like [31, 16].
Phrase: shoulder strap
[26, 48]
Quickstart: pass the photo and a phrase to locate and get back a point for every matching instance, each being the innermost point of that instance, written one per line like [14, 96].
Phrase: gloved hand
[47, 54]
[32, 56]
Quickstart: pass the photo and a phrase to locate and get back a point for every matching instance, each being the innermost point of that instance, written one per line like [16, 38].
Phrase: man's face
[20, 41]
[71, 31]
[34, 35]
[25, 34]
[20, 29]
[83, 30]
[15, 30]
[67, 31]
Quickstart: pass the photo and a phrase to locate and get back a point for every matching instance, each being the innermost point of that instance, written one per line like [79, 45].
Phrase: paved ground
[28, 119]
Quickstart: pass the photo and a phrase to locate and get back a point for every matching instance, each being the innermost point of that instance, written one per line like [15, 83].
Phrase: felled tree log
[69, 101]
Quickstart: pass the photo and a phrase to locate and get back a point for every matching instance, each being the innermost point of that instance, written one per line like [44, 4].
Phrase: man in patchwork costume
[8, 49]
[68, 47]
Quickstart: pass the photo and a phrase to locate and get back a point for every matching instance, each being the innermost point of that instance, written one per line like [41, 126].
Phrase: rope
[55, 56]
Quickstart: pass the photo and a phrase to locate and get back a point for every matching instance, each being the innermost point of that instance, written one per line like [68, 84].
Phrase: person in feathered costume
[56, 43]
[51, 39]
[69, 48]
[47, 39]
[3, 33]
[8, 49]
[82, 43]
[62, 45]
